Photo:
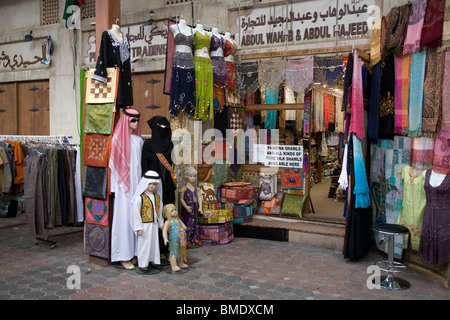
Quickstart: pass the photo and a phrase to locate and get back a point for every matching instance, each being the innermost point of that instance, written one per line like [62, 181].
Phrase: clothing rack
[57, 230]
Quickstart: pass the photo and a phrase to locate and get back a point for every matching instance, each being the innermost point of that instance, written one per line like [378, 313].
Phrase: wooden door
[33, 108]
[148, 97]
[8, 109]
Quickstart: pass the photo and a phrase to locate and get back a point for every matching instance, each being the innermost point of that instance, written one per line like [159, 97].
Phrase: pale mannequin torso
[227, 37]
[183, 28]
[435, 178]
[219, 51]
[115, 30]
[204, 52]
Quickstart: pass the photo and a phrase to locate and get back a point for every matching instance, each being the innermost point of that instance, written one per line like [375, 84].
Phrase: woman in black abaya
[156, 155]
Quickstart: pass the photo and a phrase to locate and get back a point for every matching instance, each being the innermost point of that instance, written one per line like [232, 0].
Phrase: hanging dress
[435, 236]
[182, 92]
[413, 207]
[203, 78]
[231, 95]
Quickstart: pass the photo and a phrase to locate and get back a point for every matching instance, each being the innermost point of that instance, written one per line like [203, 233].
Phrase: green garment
[414, 201]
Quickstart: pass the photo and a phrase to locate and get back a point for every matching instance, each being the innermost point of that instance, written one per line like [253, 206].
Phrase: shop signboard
[303, 22]
[289, 156]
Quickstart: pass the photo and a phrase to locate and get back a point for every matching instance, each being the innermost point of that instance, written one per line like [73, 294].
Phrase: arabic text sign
[146, 41]
[305, 21]
[20, 56]
[278, 155]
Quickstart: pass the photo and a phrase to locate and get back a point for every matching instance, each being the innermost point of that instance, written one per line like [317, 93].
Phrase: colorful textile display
[101, 92]
[208, 192]
[396, 26]
[434, 244]
[96, 211]
[361, 189]
[328, 70]
[246, 77]
[299, 73]
[182, 87]
[422, 152]
[445, 121]
[95, 181]
[357, 119]
[214, 213]
[242, 213]
[402, 73]
[415, 24]
[416, 83]
[374, 109]
[271, 74]
[203, 78]
[272, 207]
[216, 234]
[237, 192]
[411, 213]
[387, 100]
[292, 179]
[97, 241]
[432, 95]
[267, 186]
[96, 150]
[99, 118]
[292, 205]
[441, 160]
[433, 23]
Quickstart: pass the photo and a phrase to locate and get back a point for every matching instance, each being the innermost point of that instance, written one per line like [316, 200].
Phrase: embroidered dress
[413, 207]
[114, 53]
[203, 78]
[231, 94]
[182, 88]
[174, 238]
[435, 236]
[387, 100]
[191, 219]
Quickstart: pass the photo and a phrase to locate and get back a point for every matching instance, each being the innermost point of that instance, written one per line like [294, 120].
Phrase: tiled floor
[243, 269]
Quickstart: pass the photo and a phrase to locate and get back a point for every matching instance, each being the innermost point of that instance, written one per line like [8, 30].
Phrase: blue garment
[271, 98]
[361, 189]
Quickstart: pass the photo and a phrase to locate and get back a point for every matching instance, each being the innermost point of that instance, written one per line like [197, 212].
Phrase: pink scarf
[121, 149]
[414, 32]
[357, 118]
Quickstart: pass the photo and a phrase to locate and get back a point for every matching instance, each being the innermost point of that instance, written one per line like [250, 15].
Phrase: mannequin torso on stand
[201, 51]
[230, 46]
[183, 29]
[115, 30]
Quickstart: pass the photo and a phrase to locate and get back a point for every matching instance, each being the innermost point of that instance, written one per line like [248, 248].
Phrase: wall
[71, 47]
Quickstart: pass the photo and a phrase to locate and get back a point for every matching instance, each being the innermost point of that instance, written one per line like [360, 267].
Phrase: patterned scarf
[433, 24]
[414, 32]
[441, 162]
[402, 74]
[445, 121]
[432, 96]
[299, 73]
[416, 93]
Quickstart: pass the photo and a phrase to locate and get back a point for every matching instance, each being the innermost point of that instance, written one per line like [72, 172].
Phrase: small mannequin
[203, 52]
[147, 219]
[173, 232]
[115, 30]
[191, 200]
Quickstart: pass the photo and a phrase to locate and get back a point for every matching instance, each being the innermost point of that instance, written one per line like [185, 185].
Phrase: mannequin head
[170, 211]
[190, 175]
[133, 117]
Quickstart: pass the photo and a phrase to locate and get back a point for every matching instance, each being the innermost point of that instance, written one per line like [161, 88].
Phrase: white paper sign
[278, 155]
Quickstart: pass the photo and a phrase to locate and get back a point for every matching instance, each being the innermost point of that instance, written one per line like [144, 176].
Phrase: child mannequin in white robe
[147, 218]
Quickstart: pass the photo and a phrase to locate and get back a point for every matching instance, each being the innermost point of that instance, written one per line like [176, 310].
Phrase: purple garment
[435, 235]
[218, 62]
[190, 219]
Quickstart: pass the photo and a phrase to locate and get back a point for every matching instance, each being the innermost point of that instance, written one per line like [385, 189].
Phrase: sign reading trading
[298, 22]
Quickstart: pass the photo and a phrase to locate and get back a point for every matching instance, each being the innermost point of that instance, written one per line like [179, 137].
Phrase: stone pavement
[244, 269]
